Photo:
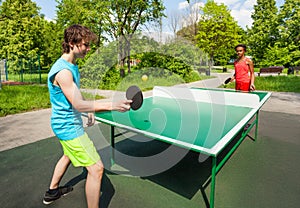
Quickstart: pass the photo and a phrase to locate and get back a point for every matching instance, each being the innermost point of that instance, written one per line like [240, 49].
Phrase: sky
[240, 9]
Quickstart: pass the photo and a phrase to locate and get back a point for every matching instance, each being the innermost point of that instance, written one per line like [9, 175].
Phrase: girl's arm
[252, 76]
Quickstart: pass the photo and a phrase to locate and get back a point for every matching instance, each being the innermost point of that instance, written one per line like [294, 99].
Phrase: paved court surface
[260, 174]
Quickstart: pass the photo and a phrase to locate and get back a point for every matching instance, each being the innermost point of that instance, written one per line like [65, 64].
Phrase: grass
[275, 83]
[29, 78]
[22, 98]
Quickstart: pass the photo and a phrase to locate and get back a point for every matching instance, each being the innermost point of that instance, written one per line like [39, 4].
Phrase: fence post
[1, 79]
[39, 68]
[20, 63]
[6, 70]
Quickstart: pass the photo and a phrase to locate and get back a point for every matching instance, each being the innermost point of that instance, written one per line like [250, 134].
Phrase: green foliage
[25, 33]
[126, 15]
[96, 74]
[289, 31]
[186, 51]
[194, 76]
[263, 33]
[94, 71]
[117, 20]
[141, 43]
[176, 57]
[22, 98]
[51, 48]
[156, 77]
[111, 79]
[187, 33]
[274, 37]
[161, 61]
[218, 31]
[125, 18]
[20, 34]
[276, 56]
[99, 69]
[91, 14]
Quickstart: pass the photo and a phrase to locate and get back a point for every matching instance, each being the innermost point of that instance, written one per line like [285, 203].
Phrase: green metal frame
[112, 142]
[216, 167]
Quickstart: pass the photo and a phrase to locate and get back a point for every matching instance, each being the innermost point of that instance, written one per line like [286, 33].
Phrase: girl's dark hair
[75, 34]
[241, 45]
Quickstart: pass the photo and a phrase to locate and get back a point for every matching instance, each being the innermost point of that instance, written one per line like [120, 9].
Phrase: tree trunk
[121, 57]
[128, 48]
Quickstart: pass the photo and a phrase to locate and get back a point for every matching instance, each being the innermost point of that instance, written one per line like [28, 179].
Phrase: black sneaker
[51, 197]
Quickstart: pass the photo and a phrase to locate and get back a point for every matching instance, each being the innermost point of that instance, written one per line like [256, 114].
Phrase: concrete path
[24, 128]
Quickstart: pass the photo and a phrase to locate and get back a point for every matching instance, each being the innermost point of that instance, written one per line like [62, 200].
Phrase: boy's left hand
[91, 119]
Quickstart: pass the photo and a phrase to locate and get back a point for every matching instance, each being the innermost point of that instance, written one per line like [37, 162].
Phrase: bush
[110, 80]
[160, 61]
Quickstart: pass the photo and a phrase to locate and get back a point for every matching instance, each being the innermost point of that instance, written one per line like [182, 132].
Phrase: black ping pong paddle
[227, 80]
[135, 94]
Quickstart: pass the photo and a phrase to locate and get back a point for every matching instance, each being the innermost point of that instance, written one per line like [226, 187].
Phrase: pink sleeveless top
[241, 71]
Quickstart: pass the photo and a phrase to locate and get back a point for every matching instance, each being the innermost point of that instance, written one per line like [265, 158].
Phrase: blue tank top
[66, 121]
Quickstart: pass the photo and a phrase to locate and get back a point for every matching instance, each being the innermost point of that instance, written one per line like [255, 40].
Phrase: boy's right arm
[64, 79]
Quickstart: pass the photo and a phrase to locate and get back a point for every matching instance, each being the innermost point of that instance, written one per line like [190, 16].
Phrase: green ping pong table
[199, 119]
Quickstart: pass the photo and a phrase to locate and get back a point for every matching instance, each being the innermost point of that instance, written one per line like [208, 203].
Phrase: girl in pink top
[244, 81]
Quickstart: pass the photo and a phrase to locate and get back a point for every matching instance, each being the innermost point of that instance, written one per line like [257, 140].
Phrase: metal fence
[3, 72]
[26, 70]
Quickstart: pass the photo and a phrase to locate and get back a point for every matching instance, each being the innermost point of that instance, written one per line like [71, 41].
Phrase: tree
[174, 22]
[289, 32]
[21, 34]
[111, 19]
[51, 45]
[125, 18]
[90, 13]
[218, 31]
[190, 20]
[186, 51]
[263, 33]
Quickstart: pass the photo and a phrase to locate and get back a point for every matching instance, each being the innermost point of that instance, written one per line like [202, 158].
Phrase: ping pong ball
[144, 77]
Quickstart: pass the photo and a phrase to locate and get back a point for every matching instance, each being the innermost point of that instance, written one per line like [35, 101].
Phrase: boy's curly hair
[75, 34]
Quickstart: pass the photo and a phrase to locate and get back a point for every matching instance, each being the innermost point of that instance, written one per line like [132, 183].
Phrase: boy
[67, 104]
[242, 66]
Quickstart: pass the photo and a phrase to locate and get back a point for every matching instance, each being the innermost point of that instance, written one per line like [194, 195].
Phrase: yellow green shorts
[81, 151]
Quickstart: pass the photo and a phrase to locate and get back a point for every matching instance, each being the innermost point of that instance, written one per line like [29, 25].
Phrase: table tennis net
[208, 96]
